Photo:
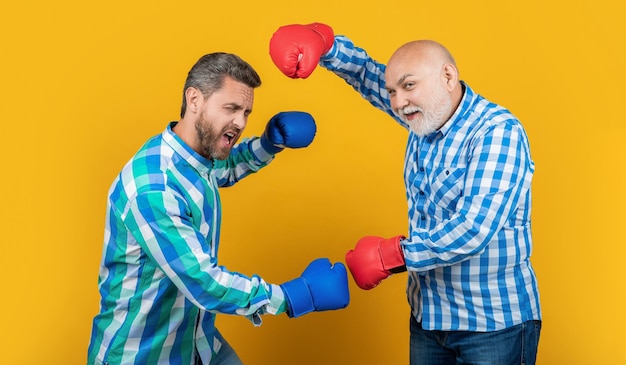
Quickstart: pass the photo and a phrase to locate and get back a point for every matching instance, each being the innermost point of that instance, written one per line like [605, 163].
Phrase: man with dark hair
[160, 282]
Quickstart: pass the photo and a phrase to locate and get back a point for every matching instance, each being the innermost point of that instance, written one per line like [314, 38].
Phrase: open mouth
[409, 113]
[230, 138]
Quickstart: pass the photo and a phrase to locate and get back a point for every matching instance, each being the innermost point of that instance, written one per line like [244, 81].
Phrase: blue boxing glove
[321, 287]
[288, 129]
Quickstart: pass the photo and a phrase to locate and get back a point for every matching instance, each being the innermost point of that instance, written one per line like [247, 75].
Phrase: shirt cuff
[260, 151]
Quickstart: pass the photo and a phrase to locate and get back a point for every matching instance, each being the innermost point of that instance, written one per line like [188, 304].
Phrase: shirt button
[421, 169]
[421, 192]
[423, 218]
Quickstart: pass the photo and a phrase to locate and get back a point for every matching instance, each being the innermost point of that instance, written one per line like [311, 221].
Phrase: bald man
[468, 170]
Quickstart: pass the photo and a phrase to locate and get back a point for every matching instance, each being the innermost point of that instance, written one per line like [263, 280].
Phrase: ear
[194, 99]
[450, 76]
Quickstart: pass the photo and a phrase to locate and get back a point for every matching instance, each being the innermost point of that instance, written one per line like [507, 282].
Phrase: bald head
[422, 53]
[423, 84]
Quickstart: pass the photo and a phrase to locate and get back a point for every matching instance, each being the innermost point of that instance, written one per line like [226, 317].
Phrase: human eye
[232, 108]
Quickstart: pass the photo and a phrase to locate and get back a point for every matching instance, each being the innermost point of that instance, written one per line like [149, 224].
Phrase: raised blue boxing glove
[288, 129]
[321, 287]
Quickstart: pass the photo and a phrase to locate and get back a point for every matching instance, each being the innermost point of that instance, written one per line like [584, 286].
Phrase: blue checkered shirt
[468, 188]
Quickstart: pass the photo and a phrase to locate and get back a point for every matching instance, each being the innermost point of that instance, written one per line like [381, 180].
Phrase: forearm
[359, 70]
[246, 158]
[179, 250]
[290, 129]
[452, 241]
[216, 289]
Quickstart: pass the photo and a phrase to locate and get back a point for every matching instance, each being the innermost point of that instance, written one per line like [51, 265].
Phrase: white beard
[438, 106]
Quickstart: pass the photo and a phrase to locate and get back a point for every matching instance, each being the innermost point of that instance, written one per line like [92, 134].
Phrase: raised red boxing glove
[375, 259]
[296, 48]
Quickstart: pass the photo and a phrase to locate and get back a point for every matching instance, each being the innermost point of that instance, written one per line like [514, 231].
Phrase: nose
[240, 121]
[398, 101]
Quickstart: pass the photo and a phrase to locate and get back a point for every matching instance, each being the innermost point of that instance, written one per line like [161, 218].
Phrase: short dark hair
[208, 74]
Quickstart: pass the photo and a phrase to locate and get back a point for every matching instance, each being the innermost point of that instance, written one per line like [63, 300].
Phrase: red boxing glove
[375, 259]
[296, 49]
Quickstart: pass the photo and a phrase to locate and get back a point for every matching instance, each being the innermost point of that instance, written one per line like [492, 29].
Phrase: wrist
[298, 297]
[391, 253]
[269, 146]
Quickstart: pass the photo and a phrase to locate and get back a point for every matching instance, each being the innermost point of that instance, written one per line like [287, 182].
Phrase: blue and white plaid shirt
[160, 281]
[468, 188]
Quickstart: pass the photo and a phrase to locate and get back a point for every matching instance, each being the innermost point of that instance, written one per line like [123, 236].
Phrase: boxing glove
[288, 129]
[296, 49]
[321, 287]
[375, 259]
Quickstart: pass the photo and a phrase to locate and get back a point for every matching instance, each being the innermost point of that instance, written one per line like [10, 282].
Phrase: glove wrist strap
[299, 299]
[391, 253]
[268, 146]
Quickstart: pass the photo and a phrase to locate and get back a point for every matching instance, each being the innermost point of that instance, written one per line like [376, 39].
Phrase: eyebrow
[402, 78]
[234, 105]
[237, 106]
[400, 81]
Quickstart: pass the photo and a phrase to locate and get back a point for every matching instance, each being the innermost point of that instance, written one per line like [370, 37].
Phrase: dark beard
[210, 140]
[207, 139]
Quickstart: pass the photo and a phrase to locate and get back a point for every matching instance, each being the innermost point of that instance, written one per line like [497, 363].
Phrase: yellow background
[84, 84]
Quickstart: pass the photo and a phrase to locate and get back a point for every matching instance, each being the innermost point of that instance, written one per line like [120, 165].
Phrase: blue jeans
[516, 345]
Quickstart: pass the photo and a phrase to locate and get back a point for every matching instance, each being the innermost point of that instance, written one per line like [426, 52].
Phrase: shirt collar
[461, 110]
[198, 162]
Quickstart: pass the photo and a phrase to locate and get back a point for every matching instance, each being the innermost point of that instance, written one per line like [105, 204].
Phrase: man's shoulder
[148, 166]
[486, 114]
